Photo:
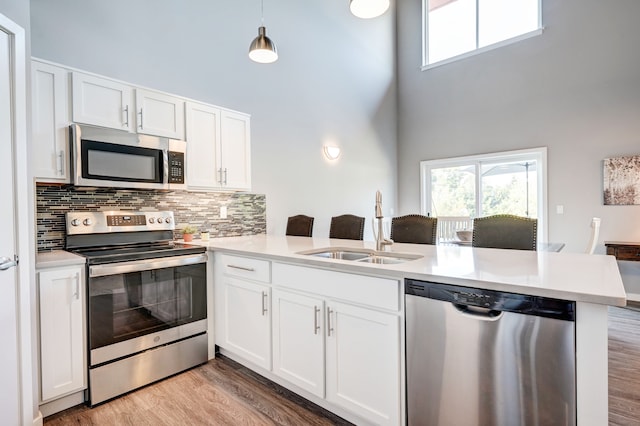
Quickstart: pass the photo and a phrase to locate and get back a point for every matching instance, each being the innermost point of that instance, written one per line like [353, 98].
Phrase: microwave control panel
[176, 167]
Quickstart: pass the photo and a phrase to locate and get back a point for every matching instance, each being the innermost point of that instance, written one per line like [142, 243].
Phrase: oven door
[137, 305]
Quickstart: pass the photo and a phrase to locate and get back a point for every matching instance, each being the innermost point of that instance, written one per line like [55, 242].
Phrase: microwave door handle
[165, 158]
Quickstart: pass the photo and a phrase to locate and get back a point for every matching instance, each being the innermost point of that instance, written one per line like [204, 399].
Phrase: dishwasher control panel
[496, 301]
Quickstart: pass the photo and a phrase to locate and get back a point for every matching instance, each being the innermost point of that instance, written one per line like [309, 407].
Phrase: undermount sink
[362, 255]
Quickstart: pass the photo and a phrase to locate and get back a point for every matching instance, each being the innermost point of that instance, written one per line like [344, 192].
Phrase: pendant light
[368, 8]
[262, 49]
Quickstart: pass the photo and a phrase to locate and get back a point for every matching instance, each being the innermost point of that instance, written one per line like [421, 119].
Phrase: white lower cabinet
[333, 335]
[363, 362]
[243, 307]
[298, 340]
[353, 351]
[62, 335]
[248, 320]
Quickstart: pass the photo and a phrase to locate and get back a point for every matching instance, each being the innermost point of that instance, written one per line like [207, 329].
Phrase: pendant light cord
[262, 12]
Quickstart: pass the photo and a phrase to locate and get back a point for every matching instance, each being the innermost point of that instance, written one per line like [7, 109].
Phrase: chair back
[595, 232]
[414, 228]
[300, 226]
[347, 227]
[505, 231]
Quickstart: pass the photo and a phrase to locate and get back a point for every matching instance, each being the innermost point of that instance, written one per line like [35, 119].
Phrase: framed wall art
[622, 180]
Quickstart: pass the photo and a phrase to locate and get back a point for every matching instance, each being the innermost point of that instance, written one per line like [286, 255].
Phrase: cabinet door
[203, 146]
[62, 343]
[298, 340]
[363, 362]
[50, 122]
[102, 102]
[247, 321]
[236, 150]
[159, 114]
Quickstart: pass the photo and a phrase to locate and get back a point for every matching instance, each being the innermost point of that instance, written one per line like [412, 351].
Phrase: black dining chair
[300, 226]
[347, 227]
[505, 231]
[414, 228]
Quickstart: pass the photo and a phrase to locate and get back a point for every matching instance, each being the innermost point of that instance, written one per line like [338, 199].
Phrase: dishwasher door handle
[477, 312]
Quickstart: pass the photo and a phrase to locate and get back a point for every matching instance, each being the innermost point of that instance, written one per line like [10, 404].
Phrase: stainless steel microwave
[113, 158]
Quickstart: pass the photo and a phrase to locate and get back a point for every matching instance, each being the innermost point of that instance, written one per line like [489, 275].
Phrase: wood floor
[624, 366]
[222, 392]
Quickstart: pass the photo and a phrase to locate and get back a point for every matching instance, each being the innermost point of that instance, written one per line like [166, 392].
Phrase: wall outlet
[560, 209]
[223, 212]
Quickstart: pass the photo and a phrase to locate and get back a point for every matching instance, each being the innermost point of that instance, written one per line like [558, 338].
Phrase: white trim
[540, 153]
[24, 232]
[478, 50]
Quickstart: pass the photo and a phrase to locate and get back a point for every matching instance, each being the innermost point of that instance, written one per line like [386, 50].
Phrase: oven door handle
[145, 265]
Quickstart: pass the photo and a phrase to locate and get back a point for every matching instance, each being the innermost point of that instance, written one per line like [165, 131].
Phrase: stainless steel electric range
[146, 299]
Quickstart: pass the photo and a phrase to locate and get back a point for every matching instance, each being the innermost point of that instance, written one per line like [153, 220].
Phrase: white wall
[574, 89]
[334, 81]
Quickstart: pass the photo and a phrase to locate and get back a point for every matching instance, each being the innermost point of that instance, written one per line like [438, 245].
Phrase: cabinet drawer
[244, 267]
[376, 292]
[625, 253]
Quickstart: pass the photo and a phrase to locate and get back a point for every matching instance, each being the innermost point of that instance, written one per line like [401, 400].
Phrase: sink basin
[362, 255]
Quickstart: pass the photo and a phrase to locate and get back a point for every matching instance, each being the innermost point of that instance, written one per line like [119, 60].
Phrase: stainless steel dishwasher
[480, 357]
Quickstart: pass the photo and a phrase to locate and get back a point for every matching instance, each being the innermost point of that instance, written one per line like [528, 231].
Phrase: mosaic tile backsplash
[246, 213]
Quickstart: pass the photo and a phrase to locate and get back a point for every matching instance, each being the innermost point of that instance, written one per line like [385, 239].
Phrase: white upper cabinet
[218, 148]
[159, 114]
[102, 102]
[203, 146]
[219, 140]
[236, 150]
[50, 122]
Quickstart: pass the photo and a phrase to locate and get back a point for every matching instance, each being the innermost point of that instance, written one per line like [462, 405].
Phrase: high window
[457, 28]
[460, 189]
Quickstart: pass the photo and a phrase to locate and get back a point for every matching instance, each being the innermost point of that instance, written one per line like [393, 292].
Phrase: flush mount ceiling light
[262, 49]
[368, 8]
[331, 152]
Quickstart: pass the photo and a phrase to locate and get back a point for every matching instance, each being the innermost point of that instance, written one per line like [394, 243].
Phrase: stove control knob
[159, 220]
[87, 222]
[152, 220]
[75, 222]
[168, 220]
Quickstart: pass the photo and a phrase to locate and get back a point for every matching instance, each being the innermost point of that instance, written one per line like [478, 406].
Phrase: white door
[159, 114]
[298, 340]
[203, 146]
[363, 362]
[236, 150]
[102, 102]
[248, 321]
[62, 354]
[9, 366]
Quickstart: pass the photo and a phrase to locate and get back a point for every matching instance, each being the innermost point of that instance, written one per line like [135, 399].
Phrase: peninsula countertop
[570, 276]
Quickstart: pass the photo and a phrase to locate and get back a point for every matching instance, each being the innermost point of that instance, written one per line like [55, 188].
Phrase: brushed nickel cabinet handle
[76, 294]
[140, 114]
[126, 116]
[329, 327]
[61, 163]
[242, 268]
[316, 326]
[264, 303]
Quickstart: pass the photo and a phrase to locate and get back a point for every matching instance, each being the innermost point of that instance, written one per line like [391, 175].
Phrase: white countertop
[569, 276]
[57, 258]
